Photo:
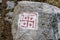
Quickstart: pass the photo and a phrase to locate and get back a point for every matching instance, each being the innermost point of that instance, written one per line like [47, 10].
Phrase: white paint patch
[28, 21]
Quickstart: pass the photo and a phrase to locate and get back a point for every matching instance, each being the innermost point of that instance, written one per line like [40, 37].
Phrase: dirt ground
[5, 29]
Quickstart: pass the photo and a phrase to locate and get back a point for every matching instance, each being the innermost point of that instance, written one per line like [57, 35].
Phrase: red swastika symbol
[27, 21]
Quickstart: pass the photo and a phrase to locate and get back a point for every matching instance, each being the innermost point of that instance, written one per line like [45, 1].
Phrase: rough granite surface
[46, 21]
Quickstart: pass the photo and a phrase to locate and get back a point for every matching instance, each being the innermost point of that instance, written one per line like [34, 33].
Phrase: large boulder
[44, 22]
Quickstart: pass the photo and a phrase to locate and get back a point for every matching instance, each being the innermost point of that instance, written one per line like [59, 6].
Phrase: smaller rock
[9, 16]
[10, 4]
[0, 1]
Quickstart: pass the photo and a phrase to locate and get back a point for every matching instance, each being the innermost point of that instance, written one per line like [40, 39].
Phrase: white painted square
[28, 21]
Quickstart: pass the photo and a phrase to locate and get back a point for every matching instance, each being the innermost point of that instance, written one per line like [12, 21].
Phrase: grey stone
[45, 21]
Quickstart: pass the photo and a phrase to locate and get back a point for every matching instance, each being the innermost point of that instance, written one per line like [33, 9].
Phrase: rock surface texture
[47, 21]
